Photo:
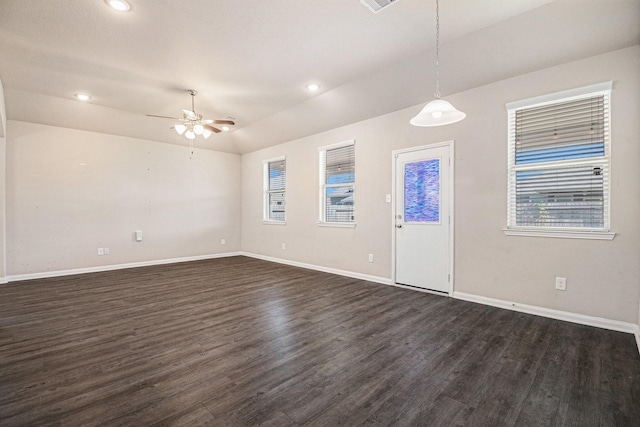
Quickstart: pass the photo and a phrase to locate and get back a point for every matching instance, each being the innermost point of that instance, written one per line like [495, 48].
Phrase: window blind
[559, 165]
[561, 197]
[275, 194]
[277, 175]
[337, 183]
[340, 165]
[562, 131]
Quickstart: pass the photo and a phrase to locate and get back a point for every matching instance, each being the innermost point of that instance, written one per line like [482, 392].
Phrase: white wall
[70, 192]
[3, 149]
[603, 276]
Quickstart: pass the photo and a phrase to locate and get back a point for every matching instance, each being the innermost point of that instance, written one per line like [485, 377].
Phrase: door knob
[398, 225]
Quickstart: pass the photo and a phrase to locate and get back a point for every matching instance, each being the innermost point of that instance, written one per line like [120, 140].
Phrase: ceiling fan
[193, 124]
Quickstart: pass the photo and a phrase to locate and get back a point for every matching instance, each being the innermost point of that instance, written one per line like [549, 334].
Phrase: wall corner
[3, 168]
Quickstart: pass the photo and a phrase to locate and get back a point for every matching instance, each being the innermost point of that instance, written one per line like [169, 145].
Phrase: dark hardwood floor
[243, 342]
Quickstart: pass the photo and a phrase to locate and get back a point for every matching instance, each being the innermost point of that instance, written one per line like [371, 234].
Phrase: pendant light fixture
[438, 112]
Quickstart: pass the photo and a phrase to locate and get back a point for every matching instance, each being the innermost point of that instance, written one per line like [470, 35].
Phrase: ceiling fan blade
[191, 115]
[224, 122]
[163, 117]
[212, 129]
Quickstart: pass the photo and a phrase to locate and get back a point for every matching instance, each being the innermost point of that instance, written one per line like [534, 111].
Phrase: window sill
[267, 222]
[562, 234]
[337, 224]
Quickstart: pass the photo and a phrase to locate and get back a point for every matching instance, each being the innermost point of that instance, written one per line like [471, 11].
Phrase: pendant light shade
[437, 113]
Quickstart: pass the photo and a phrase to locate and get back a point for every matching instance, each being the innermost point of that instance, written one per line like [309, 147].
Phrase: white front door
[422, 217]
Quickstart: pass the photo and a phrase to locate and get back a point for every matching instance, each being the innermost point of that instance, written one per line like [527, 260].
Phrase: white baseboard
[46, 274]
[637, 334]
[582, 319]
[367, 277]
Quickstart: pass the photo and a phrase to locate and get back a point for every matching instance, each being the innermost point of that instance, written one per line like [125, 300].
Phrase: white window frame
[600, 233]
[323, 186]
[266, 192]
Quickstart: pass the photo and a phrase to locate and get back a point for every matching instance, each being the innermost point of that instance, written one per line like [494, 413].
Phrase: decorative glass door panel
[422, 191]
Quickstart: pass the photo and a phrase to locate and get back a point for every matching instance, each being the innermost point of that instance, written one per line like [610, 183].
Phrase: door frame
[450, 145]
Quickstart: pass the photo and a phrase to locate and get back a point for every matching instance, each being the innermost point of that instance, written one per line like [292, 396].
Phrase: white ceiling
[252, 58]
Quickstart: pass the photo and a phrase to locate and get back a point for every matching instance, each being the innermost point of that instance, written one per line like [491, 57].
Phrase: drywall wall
[70, 192]
[3, 149]
[602, 276]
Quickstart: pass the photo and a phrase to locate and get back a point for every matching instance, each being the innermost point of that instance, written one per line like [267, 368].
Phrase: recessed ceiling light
[83, 97]
[119, 5]
[312, 87]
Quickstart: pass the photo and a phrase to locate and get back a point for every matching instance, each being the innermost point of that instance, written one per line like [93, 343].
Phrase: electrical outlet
[284, 246]
[100, 251]
[370, 257]
[106, 251]
[561, 283]
[223, 242]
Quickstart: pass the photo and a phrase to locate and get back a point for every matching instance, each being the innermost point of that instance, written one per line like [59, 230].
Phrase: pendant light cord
[437, 93]
[437, 112]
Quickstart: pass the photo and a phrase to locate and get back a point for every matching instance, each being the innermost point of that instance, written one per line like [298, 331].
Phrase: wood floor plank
[243, 342]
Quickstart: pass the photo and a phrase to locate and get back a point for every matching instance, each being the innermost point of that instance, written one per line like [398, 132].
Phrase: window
[275, 184]
[559, 164]
[337, 184]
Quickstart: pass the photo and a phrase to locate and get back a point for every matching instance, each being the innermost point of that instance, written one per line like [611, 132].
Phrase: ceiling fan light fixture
[192, 124]
[225, 128]
[437, 113]
[180, 129]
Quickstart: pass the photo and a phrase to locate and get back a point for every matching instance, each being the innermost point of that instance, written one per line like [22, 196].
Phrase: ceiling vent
[376, 6]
